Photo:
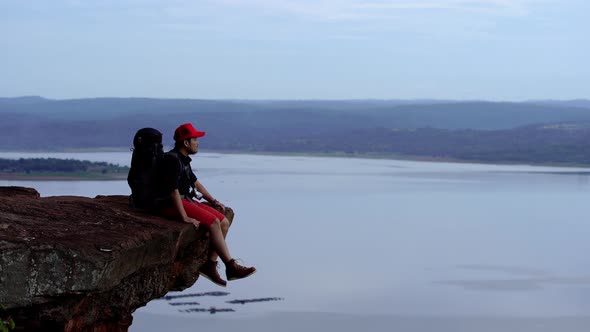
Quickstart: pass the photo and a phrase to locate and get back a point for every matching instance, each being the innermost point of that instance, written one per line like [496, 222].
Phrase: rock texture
[81, 264]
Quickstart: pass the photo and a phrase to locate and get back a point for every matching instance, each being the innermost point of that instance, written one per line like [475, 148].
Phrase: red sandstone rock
[81, 264]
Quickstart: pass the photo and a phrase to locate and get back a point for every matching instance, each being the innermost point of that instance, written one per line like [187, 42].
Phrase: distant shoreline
[59, 169]
[335, 154]
[395, 157]
[25, 177]
[122, 177]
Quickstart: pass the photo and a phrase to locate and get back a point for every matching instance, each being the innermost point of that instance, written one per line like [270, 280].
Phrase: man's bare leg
[233, 270]
[224, 229]
[217, 237]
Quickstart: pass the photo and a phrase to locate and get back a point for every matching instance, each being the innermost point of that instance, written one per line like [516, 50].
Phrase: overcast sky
[296, 49]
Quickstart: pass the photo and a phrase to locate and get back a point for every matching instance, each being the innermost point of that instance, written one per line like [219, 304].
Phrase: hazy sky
[296, 49]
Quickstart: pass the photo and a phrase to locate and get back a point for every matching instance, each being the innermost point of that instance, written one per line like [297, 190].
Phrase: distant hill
[24, 100]
[476, 130]
[363, 113]
[582, 103]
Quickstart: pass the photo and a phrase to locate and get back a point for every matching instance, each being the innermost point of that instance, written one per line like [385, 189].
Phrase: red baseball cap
[186, 131]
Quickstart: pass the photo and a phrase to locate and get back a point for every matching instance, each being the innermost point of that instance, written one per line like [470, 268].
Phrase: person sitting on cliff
[177, 183]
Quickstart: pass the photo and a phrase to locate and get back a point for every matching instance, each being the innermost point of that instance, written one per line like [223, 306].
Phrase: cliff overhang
[85, 264]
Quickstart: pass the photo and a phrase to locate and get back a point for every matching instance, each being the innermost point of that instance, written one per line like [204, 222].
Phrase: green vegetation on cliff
[6, 322]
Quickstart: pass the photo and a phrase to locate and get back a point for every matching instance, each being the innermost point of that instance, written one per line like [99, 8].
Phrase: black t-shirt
[174, 172]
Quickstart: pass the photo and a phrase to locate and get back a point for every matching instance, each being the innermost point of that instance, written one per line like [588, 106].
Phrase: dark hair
[178, 144]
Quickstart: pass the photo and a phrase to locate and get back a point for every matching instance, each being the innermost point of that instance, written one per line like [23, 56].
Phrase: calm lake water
[358, 243]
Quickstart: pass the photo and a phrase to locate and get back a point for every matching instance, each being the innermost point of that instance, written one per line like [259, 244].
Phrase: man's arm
[206, 195]
[178, 205]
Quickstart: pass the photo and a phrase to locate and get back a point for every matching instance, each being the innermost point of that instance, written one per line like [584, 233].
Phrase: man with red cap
[177, 183]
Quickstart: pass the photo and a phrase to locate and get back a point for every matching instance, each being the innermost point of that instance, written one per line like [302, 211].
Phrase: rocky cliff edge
[85, 264]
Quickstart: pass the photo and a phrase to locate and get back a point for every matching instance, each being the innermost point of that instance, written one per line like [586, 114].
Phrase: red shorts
[204, 214]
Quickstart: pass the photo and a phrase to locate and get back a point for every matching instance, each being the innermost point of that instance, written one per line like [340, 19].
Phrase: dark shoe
[209, 271]
[234, 271]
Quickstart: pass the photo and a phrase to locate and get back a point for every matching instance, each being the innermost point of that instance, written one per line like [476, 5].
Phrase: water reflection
[263, 299]
[517, 270]
[183, 303]
[211, 310]
[531, 280]
[179, 296]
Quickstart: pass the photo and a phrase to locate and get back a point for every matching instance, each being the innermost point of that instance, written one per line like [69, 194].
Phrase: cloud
[378, 9]
[318, 10]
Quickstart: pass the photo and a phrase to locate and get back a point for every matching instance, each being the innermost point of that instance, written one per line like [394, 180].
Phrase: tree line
[29, 165]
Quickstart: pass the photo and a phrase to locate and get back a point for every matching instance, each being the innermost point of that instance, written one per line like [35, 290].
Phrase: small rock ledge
[85, 264]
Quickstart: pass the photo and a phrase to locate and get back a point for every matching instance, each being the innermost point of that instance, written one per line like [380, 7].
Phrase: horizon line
[424, 99]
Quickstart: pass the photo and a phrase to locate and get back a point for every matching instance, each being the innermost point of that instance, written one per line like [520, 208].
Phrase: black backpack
[147, 151]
